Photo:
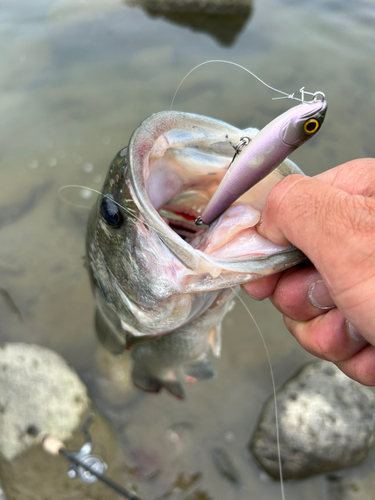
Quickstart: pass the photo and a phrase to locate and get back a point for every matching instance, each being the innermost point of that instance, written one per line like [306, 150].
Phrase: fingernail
[319, 296]
[354, 333]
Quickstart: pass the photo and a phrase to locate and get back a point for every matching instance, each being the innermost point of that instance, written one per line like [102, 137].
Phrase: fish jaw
[149, 279]
[198, 180]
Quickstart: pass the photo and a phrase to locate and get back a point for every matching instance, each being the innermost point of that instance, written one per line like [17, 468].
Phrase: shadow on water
[223, 25]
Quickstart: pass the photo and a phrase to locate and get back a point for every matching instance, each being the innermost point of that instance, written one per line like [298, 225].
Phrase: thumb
[334, 229]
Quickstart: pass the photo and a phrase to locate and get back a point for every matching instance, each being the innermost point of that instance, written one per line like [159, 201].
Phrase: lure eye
[111, 213]
[311, 126]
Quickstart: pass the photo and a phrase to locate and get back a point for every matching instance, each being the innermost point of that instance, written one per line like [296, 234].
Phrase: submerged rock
[222, 19]
[209, 6]
[37, 388]
[326, 423]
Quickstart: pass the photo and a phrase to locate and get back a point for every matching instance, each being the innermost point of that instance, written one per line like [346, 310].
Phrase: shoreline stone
[326, 423]
[37, 388]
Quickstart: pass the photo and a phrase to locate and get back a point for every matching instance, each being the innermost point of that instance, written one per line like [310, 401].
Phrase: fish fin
[174, 387]
[201, 370]
[214, 340]
[133, 340]
[107, 336]
[143, 380]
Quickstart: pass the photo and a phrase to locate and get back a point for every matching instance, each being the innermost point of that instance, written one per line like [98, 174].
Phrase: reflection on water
[77, 78]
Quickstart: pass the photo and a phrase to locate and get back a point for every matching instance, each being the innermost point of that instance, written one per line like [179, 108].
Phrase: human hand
[329, 308]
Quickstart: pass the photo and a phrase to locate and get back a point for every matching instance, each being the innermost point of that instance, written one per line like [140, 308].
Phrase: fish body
[156, 359]
[158, 280]
[265, 152]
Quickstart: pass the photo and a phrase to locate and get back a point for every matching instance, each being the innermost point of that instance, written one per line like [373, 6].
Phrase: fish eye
[311, 126]
[111, 213]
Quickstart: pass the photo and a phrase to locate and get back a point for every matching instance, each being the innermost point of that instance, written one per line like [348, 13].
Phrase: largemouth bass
[163, 285]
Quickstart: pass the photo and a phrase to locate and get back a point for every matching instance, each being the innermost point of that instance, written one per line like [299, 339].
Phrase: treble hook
[244, 141]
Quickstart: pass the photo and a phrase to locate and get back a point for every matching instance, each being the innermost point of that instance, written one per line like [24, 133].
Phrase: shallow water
[77, 78]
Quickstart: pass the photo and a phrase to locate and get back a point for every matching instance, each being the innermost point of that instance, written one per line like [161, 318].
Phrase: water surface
[77, 78]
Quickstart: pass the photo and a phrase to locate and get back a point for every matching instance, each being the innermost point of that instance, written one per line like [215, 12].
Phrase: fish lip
[140, 145]
[246, 264]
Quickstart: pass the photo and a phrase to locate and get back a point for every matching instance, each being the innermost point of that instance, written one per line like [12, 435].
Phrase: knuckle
[357, 369]
[282, 191]
[289, 201]
[325, 348]
[363, 215]
[301, 331]
[364, 372]
[355, 215]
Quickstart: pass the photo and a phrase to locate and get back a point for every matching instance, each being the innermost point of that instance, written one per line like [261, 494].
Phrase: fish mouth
[177, 160]
[182, 223]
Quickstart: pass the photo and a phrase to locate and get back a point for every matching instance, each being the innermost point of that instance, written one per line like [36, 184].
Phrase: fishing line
[76, 205]
[223, 61]
[274, 391]
[129, 211]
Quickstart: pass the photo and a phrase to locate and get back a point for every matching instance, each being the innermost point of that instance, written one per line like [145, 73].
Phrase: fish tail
[200, 370]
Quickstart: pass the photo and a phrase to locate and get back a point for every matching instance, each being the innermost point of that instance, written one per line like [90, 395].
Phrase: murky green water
[77, 77]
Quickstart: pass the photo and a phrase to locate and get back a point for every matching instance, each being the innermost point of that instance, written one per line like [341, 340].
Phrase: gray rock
[209, 6]
[37, 388]
[222, 19]
[326, 423]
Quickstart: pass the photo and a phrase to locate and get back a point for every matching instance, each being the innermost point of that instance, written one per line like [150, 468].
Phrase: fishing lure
[255, 159]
